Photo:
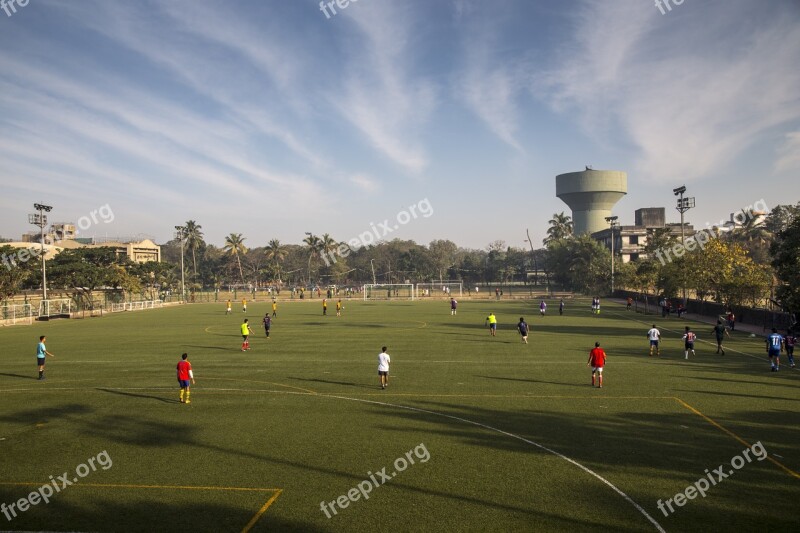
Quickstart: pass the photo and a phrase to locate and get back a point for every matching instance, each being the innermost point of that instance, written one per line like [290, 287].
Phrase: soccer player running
[655, 336]
[383, 367]
[453, 305]
[185, 375]
[274, 309]
[324, 306]
[492, 321]
[339, 307]
[522, 327]
[244, 305]
[542, 308]
[774, 345]
[597, 360]
[41, 351]
[788, 343]
[246, 331]
[719, 332]
[267, 324]
[629, 303]
[228, 309]
[688, 342]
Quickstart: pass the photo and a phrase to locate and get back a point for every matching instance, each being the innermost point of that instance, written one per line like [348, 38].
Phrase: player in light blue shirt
[774, 345]
[41, 352]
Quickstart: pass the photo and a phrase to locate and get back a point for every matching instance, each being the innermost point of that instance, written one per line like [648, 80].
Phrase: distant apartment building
[63, 235]
[630, 241]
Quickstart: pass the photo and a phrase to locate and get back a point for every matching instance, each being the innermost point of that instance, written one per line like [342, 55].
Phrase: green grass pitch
[515, 437]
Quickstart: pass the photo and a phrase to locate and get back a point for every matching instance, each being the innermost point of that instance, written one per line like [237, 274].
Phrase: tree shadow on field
[139, 395]
[345, 383]
[134, 511]
[17, 376]
[532, 381]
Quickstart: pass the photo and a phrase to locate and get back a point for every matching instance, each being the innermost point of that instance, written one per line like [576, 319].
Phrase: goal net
[440, 288]
[50, 308]
[11, 315]
[389, 291]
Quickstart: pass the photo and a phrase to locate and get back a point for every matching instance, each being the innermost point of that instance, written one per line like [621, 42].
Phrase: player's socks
[181, 395]
[187, 396]
[686, 354]
[41, 374]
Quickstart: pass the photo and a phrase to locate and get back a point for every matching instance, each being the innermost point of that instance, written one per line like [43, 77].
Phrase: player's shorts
[383, 372]
[719, 340]
[184, 383]
[598, 369]
[492, 326]
[654, 343]
[689, 346]
[40, 361]
[244, 337]
[774, 353]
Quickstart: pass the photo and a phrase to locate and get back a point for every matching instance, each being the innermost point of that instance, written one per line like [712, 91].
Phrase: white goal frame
[434, 288]
[61, 306]
[388, 291]
[11, 315]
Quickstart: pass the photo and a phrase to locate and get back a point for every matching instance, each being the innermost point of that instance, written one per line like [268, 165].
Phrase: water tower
[591, 194]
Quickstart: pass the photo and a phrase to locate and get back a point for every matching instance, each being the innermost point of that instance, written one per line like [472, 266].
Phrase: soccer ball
[752, 335]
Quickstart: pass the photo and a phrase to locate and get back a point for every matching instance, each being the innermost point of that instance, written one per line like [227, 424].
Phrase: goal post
[389, 291]
[440, 288]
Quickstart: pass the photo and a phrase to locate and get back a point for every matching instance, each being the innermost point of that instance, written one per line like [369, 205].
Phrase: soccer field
[474, 433]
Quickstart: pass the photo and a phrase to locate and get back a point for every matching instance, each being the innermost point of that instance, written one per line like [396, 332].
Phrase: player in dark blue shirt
[522, 327]
[774, 345]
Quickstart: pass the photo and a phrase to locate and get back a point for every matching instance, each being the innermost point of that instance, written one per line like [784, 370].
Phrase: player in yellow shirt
[492, 321]
[339, 308]
[246, 331]
[274, 309]
[324, 306]
[228, 308]
[244, 305]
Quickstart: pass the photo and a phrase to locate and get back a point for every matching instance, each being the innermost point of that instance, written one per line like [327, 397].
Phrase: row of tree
[748, 265]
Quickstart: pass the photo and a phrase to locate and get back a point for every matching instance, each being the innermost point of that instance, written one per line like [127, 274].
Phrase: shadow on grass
[533, 381]
[21, 376]
[139, 395]
[345, 383]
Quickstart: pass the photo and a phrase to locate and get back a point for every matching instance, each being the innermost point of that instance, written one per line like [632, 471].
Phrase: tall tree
[786, 260]
[314, 246]
[194, 240]
[560, 228]
[277, 252]
[234, 246]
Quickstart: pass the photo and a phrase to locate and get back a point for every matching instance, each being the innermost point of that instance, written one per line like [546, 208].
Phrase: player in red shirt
[597, 360]
[185, 375]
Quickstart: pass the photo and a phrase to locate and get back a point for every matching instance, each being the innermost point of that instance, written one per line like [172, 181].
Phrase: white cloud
[789, 153]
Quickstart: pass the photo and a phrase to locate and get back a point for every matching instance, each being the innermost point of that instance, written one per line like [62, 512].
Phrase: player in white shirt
[383, 367]
[654, 335]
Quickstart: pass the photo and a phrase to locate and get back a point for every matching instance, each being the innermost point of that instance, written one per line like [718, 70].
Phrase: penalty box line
[247, 527]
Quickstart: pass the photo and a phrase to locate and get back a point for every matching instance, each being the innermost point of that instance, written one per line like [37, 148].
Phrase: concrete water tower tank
[591, 195]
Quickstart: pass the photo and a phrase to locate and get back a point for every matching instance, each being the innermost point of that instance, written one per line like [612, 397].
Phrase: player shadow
[139, 395]
[532, 381]
[223, 348]
[345, 383]
[21, 376]
[735, 395]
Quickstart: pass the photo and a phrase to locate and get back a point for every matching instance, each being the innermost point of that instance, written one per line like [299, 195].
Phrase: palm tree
[277, 252]
[314, 246]
[234, 245]
[560, 228]
[327, 245]
[193, 238]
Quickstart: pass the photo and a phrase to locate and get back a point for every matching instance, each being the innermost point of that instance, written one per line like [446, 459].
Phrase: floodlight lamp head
[42, 207]
[679, 190]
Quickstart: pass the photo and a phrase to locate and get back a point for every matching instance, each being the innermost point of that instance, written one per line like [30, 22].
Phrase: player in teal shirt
[41, 352]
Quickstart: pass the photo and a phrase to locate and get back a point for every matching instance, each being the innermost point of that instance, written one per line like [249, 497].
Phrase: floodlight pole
[613, 222]
[181, 230]
[684, 204]
[372, 264]
[40, 220]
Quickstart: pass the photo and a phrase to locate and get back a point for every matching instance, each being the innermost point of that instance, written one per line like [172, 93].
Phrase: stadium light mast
[180, 233]
[40, 219]
[684, 204]
[533, 256]
[613, 223]
[372, 264]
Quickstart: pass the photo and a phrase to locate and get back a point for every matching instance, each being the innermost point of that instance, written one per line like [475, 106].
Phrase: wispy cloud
[789, 153]
[630, 74]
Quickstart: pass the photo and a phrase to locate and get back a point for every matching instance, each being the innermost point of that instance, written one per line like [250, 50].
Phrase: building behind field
[630, 241]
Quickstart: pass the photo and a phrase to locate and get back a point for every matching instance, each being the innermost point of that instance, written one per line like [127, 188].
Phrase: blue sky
[269, 119]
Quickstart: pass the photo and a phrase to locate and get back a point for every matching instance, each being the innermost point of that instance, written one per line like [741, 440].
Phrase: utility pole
[181, 233]
[684, 204]
[613, 222]
[40, 219]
